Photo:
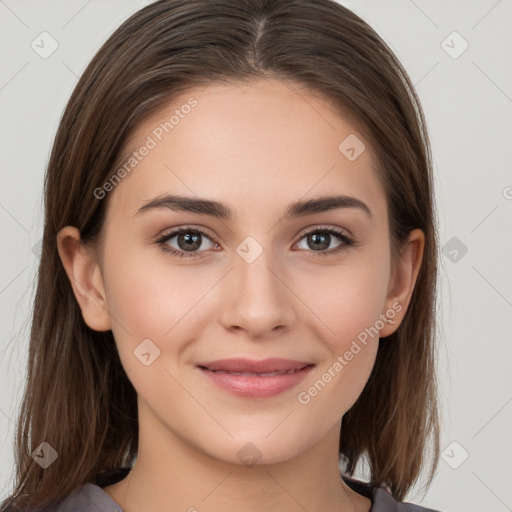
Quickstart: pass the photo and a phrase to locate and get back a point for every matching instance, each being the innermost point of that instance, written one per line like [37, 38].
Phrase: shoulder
[382, 500]
[86, 498]
[89, 497]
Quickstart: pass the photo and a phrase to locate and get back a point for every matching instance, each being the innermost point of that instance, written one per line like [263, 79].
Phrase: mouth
[255, 379]
[242, 365]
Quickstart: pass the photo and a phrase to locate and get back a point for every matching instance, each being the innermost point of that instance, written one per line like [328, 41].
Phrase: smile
[255, 379]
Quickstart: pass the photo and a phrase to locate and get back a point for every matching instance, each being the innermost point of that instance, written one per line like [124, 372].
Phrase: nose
[257, 298]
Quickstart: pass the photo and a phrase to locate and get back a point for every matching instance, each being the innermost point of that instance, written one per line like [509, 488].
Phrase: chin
[257, 449]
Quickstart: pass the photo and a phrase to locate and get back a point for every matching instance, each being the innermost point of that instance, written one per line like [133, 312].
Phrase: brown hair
[77, 396]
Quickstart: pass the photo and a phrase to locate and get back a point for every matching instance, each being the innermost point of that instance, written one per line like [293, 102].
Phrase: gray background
[467, 100]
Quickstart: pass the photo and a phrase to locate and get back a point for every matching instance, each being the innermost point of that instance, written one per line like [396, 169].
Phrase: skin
[256, 148]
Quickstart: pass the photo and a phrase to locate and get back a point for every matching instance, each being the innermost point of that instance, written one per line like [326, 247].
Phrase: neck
[175, 476]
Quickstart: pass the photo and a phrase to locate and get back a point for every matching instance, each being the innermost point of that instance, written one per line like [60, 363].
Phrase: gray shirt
[92, 498]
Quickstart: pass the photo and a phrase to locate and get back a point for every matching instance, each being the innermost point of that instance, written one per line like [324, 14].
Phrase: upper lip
[255, 366]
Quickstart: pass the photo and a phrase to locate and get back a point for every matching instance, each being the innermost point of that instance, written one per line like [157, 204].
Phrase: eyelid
[344, 234]
[167, 235]
[321, 227]
[305, 231]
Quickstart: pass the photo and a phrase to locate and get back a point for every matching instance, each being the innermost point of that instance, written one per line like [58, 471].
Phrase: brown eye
[190, 242]
[319, 241]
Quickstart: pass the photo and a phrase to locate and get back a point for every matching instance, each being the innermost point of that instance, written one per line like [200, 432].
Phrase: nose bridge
[256, 277]
[258, 299]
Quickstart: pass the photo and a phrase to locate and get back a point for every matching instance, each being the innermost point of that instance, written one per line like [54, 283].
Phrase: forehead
[255, 144]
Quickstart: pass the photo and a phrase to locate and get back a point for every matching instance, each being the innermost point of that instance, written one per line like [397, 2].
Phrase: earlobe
[84, 273]
[403, 280]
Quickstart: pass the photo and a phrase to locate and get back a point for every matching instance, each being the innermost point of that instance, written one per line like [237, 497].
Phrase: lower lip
[256, 386]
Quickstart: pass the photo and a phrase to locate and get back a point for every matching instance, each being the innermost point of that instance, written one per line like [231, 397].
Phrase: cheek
[347, 299]
[151, 300]
[347, 303]
[352, 314]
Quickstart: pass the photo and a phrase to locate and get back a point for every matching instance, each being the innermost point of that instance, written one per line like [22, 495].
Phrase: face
[186, 287]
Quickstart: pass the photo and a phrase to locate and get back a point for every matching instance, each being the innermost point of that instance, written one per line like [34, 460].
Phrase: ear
[402, 281]
[84, 273]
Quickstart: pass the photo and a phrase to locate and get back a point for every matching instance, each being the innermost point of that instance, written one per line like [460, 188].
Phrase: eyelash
[346, 241]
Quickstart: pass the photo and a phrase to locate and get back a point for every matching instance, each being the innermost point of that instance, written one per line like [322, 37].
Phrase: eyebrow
[221, 211]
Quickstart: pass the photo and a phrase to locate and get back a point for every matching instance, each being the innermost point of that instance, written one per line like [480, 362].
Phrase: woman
[204, 353]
